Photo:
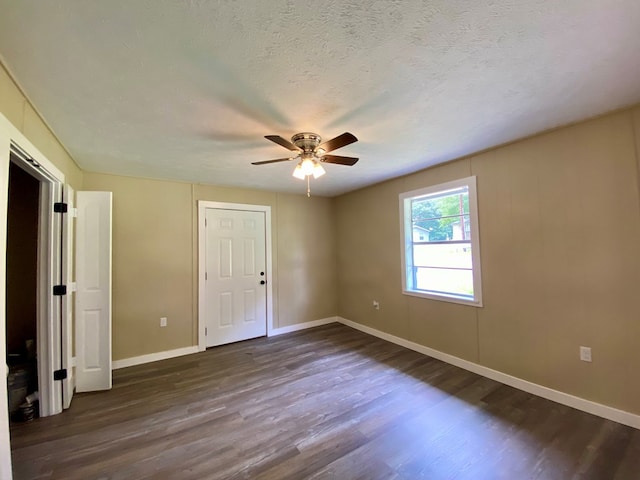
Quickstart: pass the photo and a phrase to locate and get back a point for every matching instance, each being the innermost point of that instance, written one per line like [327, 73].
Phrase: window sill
[444, 298]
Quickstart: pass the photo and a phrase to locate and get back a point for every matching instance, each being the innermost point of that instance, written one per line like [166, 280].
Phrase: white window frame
[406, 238]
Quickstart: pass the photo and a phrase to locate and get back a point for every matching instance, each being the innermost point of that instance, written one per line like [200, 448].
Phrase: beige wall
[23, 116]
[307, 266]
[559, 230]
[155, 259]
[151, 263]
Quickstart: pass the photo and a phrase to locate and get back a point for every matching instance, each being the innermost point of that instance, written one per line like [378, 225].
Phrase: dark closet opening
[21, 289]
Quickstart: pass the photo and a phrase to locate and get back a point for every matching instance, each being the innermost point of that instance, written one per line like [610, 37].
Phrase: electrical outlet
[376, 305]
[585, 354]
[163, 321]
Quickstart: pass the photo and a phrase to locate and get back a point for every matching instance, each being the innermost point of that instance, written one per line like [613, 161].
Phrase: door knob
[262, 282]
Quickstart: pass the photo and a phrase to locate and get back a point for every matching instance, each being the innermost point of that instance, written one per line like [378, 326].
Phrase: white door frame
[202, 207]
[49, 272]
[49, 306]
[5, 448]
[68, 276]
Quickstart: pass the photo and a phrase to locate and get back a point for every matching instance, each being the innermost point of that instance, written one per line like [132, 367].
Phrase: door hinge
[60, 207]
[59, 290]
[205, 331]
[206, 276]
[60, 374]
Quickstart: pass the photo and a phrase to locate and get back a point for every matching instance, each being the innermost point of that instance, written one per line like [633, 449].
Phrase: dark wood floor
[326, 403]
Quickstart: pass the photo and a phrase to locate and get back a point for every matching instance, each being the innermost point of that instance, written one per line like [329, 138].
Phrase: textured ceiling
[187, 90]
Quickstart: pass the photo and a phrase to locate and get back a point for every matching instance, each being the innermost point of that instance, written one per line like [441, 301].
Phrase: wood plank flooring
[325, 403]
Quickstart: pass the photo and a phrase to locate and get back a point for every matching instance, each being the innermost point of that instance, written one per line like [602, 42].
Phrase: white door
[235, 278]
[68, 234]
[93, 295]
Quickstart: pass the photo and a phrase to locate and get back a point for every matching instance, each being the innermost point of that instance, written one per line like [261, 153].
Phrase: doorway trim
[49, 313]
[49, 320]
[50, 251]
[202, 207]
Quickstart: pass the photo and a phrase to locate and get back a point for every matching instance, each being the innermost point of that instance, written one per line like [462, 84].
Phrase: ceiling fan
[310, 153]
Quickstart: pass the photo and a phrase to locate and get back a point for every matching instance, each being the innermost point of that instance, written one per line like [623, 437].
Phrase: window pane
[439, 280]
[441, 217]
[454, 203]
[456, 255]
[460, 227]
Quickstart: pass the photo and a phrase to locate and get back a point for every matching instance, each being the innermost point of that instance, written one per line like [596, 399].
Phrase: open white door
[68, 234]
[93, 295]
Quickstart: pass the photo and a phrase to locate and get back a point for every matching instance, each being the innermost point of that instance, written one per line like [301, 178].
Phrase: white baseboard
[588, 406]
[302, 326]
[153, 357]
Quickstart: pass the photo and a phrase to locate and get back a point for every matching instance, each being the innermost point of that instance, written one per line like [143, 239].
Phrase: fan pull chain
[308, 188]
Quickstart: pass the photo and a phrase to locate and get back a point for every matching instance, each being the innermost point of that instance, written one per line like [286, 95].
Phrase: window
[440, 244]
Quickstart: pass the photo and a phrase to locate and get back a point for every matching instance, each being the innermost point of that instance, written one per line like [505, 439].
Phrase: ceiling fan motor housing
[306, 141]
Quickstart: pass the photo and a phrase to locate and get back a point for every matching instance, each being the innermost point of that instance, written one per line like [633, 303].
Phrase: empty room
[320, 240]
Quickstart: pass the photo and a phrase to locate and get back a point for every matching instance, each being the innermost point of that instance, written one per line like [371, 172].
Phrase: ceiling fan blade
[281, 141]
[272, 161]
[340, 141]
[339, 160]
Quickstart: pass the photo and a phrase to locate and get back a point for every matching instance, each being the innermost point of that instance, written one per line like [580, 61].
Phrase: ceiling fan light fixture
[298, 173]
[307, 166]
[318, 170]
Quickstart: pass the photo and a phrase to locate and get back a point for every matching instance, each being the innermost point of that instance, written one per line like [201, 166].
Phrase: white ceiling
[186, 90]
